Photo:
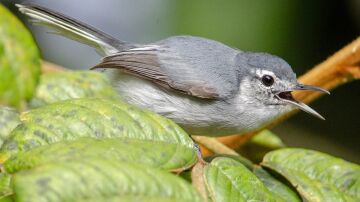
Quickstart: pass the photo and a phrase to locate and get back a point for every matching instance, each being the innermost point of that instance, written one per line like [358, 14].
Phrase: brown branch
[213, 145]
[342, 67]
[48, 67]
[197, 178]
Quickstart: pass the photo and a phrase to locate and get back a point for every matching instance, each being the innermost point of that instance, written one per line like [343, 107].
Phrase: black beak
[286, 96]
[300, 86]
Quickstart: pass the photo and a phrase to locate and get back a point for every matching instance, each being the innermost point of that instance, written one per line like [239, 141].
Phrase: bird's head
[268, 81]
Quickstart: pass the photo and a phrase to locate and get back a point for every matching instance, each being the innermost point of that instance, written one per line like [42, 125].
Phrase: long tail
[73, 29]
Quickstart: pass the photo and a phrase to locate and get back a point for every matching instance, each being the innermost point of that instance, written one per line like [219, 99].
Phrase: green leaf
[6, 199]
[5, 185]
[268, 139]
[9, 119]
[263, 142]
[99, 180]
[54, 87]
[276, 186]
[229, 180]
[19, 61]
[247, 163]
[315, 175]
[97, 118]
[169, 156]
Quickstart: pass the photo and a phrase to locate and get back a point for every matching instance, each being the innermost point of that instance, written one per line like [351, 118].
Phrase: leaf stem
[214, 145]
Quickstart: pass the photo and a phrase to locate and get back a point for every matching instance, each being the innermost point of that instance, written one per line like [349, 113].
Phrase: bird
[205, 86]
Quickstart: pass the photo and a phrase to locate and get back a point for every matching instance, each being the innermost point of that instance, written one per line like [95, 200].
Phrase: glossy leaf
[99, 180]
[150, 153]
[9, 119]
[19, 61]
[97, 118]
[229, 180]
[316, 176]
[256, 148]
[247, 163]
[5, 185]
[57, 86]
[277, 187]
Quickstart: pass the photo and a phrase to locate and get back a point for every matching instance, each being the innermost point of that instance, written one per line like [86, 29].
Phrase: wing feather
[192, 65]
[145, 64]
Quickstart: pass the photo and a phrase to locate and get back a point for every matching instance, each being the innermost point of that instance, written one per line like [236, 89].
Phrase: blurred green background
[303, 32]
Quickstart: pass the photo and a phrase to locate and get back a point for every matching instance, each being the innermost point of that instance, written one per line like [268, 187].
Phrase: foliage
[259, 145]
[99, 180]
[19, 61]
[316, 176]
[229, 180]
[9, 119]
[58, 86]
[81, 143]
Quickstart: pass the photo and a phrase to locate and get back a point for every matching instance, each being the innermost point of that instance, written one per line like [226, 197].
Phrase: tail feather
[74, 29]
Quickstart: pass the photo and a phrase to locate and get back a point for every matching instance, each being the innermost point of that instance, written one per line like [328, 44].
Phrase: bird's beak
[287, 97]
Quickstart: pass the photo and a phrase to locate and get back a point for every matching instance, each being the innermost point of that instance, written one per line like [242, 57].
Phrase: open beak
[286, 96]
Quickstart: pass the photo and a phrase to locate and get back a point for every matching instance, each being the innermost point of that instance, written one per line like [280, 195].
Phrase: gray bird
[203, 85]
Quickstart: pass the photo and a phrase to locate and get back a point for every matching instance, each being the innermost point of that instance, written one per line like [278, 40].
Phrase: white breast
[146, 94]
[196, 116]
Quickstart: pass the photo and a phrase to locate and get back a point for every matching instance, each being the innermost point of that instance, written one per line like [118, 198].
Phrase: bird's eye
[267, 80]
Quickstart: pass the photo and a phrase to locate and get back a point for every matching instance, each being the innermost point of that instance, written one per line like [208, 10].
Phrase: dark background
[303, 32]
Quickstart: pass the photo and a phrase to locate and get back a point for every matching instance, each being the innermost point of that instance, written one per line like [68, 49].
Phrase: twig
[342, 67]
[48, 67]
[214, 145]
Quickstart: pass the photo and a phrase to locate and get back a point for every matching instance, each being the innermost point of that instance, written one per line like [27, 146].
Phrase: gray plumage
[203, 85]
[171, 63]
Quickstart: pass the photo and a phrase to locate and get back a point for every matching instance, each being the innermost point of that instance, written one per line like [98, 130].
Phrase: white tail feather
[71, 28]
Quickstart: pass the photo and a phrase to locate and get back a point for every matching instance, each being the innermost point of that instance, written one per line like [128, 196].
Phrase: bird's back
[187, 58]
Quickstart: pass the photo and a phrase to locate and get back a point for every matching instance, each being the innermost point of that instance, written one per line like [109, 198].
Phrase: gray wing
[191, 65]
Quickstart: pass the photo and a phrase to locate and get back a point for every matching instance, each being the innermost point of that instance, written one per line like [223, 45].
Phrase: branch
[48, 67]
[213, 145]
[342, 67]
